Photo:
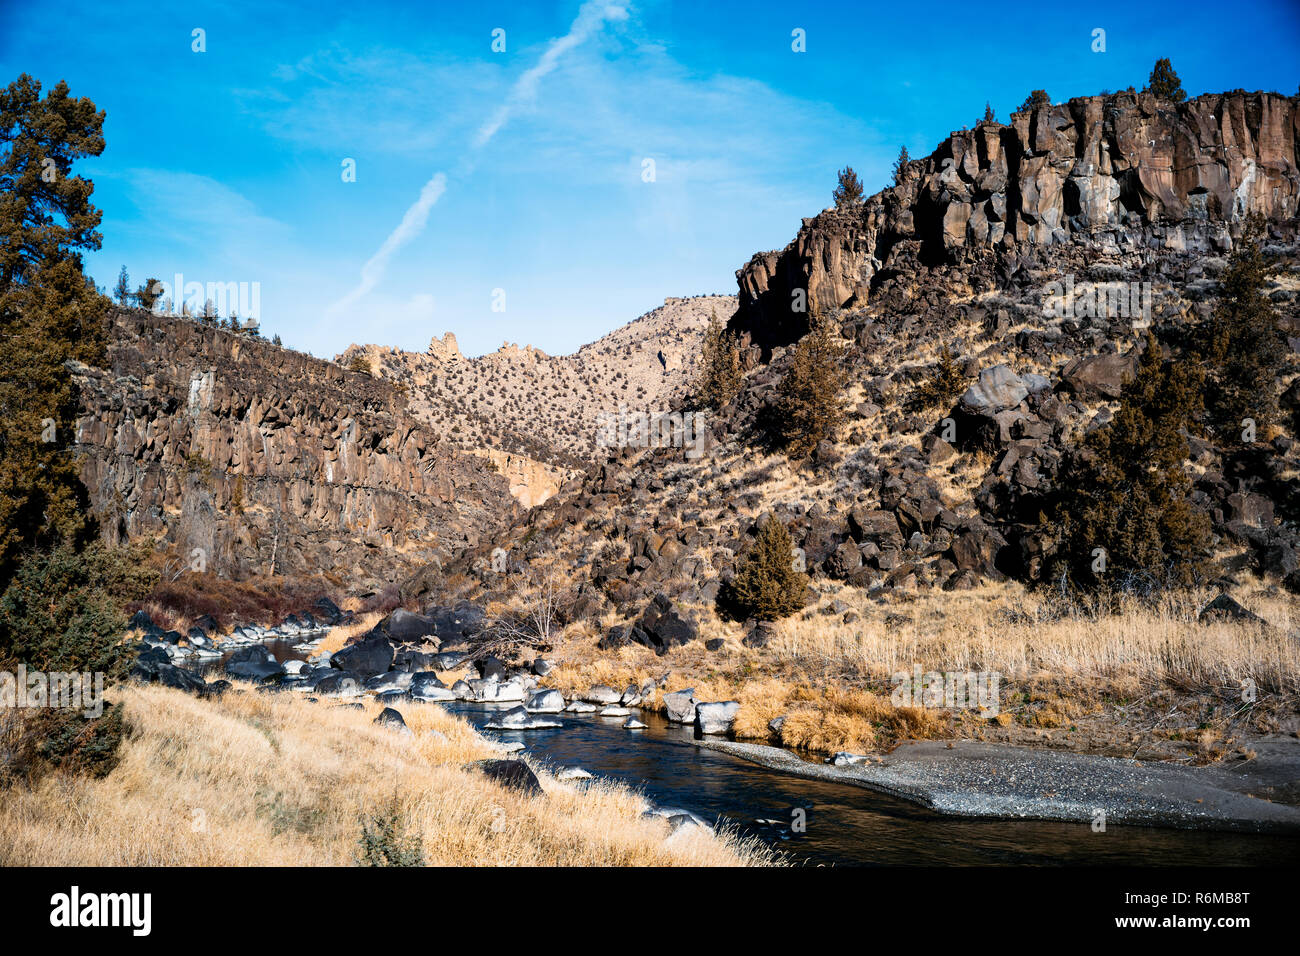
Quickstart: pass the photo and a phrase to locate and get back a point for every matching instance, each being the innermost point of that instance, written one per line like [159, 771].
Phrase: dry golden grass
[1004, 628]
[831, 680]
[337, 637]
[269, 779]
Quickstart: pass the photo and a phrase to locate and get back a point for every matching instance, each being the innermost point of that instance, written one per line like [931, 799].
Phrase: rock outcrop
[1119, 173]
[264, 460]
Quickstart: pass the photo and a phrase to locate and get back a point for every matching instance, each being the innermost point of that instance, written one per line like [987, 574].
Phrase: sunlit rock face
[1116, 174]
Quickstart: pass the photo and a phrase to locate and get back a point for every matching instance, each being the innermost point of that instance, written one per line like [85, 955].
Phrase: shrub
[767, 586]
[1036, 100]
[719, 377]
[64, 609]
[810, 405]
[1125, 489]
[1164, 82]
[384, 840]
[944, 384]
[1243, 347]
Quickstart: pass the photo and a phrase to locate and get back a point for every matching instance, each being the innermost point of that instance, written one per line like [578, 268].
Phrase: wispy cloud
[591, 17]
[190, 209]
[412, 224]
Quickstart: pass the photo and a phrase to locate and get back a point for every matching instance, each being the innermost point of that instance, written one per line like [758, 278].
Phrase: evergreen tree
[944, 384]
[1164, 82]
[1036, 100]
[148, 294]
[360, 363]
[810, 404]
[900, 165]
[1244, 347]
[719, 378]
[122, 291]
[50, 312]
[849, 190]
[767, 586]
[1124, 490]
[989, 116]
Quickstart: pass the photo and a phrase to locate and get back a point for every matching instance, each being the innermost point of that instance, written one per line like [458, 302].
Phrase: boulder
[996, 389]
[1226, 608]
[253, 663]
[661, 627]
[518, 718]
[1092, 378]
[393, 680]
[393, 721]
[511, 774]
[153, 671]
[371, 655]
[600, 694]
[545, 702]
[338, 685]
[716, 718]
[680, 706]
[404, 627]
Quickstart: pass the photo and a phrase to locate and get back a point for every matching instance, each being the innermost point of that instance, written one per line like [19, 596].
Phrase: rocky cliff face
[1115, 174]
[264, 460]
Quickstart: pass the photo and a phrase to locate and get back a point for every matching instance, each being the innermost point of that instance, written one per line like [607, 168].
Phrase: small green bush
[767, 586]
[384, 840]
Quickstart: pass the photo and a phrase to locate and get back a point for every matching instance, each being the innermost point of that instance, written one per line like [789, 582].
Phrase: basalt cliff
[245, 458]
[1123, 177]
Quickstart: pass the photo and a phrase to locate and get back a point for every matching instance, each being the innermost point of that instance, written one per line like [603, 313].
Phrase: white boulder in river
[546, 702]
[680, 705]
[600, 694]
[633, 724]
[716, 718]
[581, 707]
[518, 718]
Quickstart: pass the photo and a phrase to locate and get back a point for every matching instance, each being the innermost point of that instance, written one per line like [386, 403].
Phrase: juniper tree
[1164, 82]
[944, 384]
[1243, 346]
[989, 116]
[1036, 100]
[810, 404]
[900, 165]
[849, 190]
[719, 377]
[122, 291]
[50, 312]
[149, 293]
[1125, 489]
[767, 585]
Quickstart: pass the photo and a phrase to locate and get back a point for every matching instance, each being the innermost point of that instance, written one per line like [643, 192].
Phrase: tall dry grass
[831, 680]
[1004, 628]
[269, 779]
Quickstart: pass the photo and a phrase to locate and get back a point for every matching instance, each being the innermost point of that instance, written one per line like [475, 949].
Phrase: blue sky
[226, 165]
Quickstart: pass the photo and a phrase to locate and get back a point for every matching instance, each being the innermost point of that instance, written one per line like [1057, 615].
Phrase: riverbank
[972, 779]
[1145, 681]
[251, 778]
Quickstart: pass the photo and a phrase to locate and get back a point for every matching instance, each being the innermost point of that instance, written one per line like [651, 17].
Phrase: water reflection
[848, 825]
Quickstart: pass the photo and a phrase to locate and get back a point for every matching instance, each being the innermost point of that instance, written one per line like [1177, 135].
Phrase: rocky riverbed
[395, 665]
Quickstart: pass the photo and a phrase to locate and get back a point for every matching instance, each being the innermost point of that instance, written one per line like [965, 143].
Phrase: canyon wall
[1119, 174]
[253, 459]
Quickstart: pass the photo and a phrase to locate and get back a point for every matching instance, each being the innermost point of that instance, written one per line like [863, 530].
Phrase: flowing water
[839, 824]
[850, 825]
